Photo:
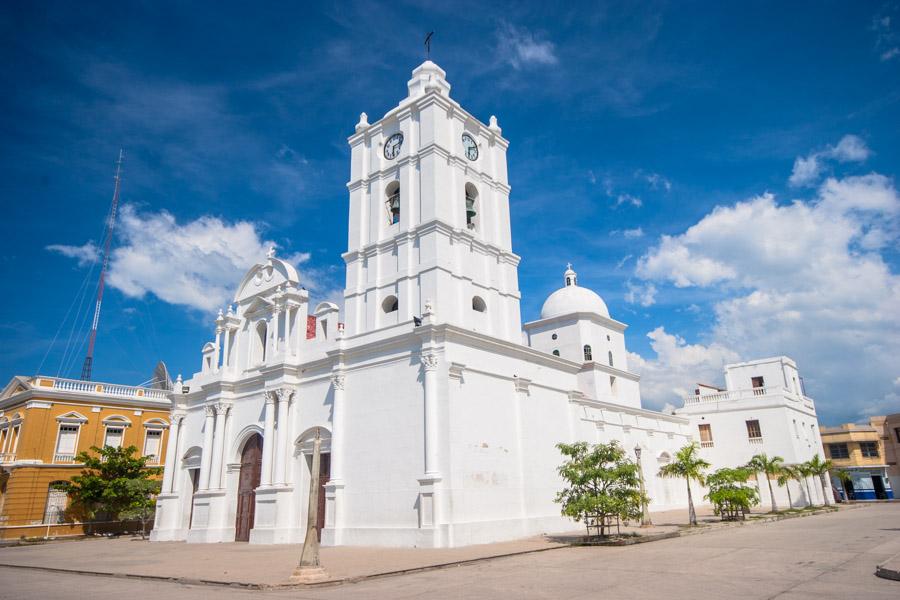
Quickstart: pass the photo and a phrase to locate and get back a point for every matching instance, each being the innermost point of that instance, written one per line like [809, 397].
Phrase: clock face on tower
[392, 146]
[469, 147]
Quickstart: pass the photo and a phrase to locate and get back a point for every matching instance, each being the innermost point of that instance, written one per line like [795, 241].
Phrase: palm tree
[689, 465]
[845, 478]
[769, 466]
[787, 474]
[820, 467]
[806, 472]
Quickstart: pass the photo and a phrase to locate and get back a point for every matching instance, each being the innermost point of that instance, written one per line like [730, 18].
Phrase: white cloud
[807, 169]
[520, 48]
[628, 199]
[644, 294]
[656, 181]
[802, 279]
[633, 233]
[889, 54]
[197, 264]
[85, 255]
[678, 366]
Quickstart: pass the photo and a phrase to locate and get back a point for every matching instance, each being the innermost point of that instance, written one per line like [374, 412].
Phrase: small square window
[869, 449]
[758, 382]
[838, 450]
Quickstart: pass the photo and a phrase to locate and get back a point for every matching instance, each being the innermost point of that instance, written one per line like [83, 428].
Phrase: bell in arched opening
[394, 207]
[471, 195]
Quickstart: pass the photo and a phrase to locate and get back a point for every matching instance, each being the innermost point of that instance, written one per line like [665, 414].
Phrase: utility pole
[89, 358]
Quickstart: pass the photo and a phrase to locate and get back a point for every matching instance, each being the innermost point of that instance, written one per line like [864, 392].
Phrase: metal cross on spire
[428, 45]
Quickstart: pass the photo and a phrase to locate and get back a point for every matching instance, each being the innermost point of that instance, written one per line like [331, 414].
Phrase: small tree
[143, 508]
[761, 463]
[820, 468]
[729, 493]
[806, 471]
[786, 474]
[845, 478]
[602, 483]
[689, 465]
[107, 482]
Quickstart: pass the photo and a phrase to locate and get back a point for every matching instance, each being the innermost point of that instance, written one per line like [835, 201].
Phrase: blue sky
[723, 176]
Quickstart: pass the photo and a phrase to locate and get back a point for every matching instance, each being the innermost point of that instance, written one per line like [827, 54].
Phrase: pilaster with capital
[283, 397]
[430, 366]
[221, 413]
[206, 455]
[172, 451]
[268, 439]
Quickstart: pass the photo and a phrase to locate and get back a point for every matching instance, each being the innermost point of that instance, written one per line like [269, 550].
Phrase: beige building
[860, 450]
[890, 437]
[45, 422]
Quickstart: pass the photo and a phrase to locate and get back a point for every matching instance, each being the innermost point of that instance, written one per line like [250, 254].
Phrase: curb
[886, 572]
[360, 578]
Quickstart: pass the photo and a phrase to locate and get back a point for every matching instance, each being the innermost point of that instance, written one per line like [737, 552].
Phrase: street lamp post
[645, 514]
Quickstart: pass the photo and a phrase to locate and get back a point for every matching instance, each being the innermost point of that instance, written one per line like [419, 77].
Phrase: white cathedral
[439, 415]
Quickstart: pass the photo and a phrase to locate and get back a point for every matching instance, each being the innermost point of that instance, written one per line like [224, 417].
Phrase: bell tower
[429, 217]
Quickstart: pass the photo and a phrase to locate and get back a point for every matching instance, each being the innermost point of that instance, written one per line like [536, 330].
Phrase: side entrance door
[248, 481]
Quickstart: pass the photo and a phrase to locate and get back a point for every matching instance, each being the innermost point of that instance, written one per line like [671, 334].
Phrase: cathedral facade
[438, 409]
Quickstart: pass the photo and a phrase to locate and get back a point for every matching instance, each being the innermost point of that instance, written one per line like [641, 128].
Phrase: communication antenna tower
[89, 359]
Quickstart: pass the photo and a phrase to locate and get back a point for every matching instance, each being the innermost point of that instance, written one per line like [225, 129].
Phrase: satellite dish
[161, 379]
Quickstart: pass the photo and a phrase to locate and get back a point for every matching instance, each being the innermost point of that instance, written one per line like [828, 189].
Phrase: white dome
[573, 298]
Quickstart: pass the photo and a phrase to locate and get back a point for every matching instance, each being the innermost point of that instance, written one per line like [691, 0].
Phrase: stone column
[179, 451]
[337, 428]
[218, 446]
[278, 313]
[265, 478]
[299, 331]
[218, 353]
[281, 436]
[225, 356]
[205, 457]
[430, 364]
[171, 452]
[288, 329]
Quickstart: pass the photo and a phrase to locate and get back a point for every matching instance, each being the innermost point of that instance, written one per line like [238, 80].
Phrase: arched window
[610, 358]
[392, 203]
[556, 353]
[390, 304]
[588, 355]
[471, 205]
[568, 281]
[262, 331]
[478, 304]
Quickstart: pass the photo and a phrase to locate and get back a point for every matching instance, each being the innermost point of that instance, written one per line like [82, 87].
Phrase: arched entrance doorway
[251, 467]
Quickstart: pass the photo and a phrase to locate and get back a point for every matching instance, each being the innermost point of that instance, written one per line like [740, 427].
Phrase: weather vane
[428, 45]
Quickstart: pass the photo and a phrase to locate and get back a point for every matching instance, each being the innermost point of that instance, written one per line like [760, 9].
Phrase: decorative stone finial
[271, 253]
[363, 122]
[230, 310]
[493, 125]
[429, 307]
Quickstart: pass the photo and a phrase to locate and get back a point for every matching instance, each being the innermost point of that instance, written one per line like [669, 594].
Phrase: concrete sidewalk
[271, 565]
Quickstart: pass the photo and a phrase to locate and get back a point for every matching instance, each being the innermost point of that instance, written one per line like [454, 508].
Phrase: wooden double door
[248, 481]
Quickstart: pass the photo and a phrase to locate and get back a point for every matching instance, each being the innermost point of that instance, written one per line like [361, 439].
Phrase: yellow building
[859, 450]
[45, 422]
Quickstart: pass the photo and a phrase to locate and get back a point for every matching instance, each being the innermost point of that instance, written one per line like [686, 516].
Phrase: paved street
[822, 556]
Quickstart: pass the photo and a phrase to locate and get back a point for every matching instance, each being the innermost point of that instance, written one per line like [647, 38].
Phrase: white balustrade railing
[63, 458]
[708, 444]
[101, 389]
[756, 441]
[747, 394]
[7, 457]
